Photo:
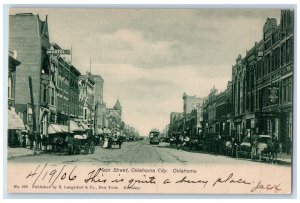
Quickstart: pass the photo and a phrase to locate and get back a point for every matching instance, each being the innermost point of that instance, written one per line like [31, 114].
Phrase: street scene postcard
[150, 101]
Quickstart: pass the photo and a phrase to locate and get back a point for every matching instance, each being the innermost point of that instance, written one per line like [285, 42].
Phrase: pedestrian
[24, 139]
[276, 149]
[31, 137]
[270, 150]
[178, 141]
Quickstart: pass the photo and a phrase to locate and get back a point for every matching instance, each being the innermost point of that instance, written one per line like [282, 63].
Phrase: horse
[228, 147]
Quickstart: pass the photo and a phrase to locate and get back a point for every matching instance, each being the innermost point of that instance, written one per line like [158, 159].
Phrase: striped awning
[75, 127]
[84, 126]
[14, 121]
[55, 128]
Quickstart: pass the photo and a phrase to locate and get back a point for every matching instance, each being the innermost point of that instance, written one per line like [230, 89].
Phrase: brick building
[63, 90]
[86, 99]
[176, 123]
[100, 107]
[258, 100]
[29, 36]
[15, 123]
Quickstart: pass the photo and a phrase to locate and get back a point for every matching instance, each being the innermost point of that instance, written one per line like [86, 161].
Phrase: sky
[149, 57]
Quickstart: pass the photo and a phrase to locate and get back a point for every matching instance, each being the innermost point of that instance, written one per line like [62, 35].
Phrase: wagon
[111, 140]
[81, 144]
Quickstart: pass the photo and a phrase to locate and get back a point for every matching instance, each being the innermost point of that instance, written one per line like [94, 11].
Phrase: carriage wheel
[86, 148]
[92, 148]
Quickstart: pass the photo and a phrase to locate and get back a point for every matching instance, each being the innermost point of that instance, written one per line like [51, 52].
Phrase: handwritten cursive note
[95, 179]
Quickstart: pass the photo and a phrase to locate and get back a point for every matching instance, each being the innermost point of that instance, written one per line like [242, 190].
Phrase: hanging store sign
[273, 96]
[59, 52]
[260, 54]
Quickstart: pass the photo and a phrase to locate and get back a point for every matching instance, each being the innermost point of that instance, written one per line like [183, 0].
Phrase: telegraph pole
[69, 93]
[33, 114]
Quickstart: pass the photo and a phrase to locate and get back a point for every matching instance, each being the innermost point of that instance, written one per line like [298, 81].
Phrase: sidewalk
[21, 152]
[284, 158]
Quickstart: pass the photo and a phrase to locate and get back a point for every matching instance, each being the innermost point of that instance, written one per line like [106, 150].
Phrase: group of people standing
[225, 145]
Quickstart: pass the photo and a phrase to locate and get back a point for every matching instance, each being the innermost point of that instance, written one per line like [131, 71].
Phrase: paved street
[138, 152]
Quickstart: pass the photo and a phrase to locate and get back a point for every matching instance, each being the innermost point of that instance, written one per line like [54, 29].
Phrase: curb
[282, 162]
[34, 153]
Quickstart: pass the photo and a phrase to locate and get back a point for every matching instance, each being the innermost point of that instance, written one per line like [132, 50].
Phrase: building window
[289, 51]
[10, 87]
[286, 95]
[85, 114]
[283, 54]
[52, 96]
[44, 94]
[29, 118]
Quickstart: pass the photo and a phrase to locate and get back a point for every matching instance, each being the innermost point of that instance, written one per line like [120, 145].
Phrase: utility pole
[69, 93]
[96, 119]
[33, 111]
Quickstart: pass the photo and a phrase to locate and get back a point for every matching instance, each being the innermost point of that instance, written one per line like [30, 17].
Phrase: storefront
[15, 128]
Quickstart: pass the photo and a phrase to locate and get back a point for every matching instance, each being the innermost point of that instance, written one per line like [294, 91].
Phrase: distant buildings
[100, 107]
[86, 98]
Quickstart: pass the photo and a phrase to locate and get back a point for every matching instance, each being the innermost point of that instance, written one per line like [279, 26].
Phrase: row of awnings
[16, 123]
[74, 127]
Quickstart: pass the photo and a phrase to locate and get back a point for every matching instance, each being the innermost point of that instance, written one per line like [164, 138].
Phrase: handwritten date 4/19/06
[50, 176]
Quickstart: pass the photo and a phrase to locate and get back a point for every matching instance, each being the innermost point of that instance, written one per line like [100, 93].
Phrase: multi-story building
[86, 99]
[209, 112]
[64, 90]
[115, 116]
[190, 106]
[29, 36]
[13, 63]
[176, 123]
[190, 103]
[15, 123]
[217, 112]
[275, 79]
[100, 107]
[262, 83]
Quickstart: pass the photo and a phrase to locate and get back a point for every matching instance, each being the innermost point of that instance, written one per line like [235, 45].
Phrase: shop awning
[84, 126]
[14, 121]
[65, 128]
[55, 128]
[75, 127]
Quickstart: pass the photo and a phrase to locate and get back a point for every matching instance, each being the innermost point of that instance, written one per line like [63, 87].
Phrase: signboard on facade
[59, 52]
[260, 54]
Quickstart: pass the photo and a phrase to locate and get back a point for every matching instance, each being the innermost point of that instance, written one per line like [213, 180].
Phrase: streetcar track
[120, 157]
[135, 156]
[176, 157]
[161, 160]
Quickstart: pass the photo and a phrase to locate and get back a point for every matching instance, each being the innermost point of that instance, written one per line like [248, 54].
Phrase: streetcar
[154, 136]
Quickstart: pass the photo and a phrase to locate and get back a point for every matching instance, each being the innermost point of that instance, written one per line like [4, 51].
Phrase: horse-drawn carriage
[81, 144]
[112, 140]
[74, 142]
